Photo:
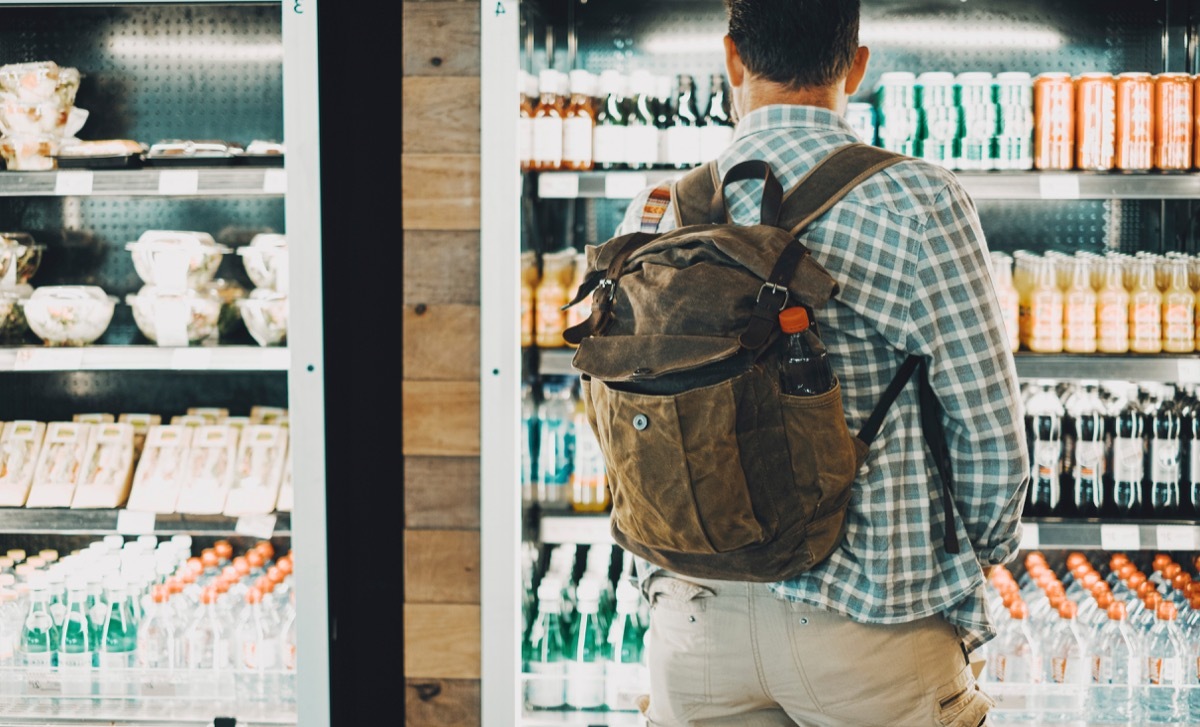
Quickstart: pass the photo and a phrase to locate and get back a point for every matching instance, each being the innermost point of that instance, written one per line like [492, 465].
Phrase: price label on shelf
[73, 182]
[1189, 371]
[178, 181]
[1030, 537]
[190, 358]
[44, 684]
[255, 526]
[156, 688]
[1058, 186]
[65, 358]
[558, 186]
[275, 181]
[1120, 537]
[132, 522]
[1176, 537]
[623, 185]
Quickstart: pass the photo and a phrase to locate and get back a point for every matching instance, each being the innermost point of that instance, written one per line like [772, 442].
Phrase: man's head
[803, 50]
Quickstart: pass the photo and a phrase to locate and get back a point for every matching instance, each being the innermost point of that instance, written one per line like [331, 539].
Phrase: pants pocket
[960, 703]
[679, 647]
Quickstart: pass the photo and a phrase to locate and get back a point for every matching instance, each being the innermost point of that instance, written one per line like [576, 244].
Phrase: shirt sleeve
[956, 323]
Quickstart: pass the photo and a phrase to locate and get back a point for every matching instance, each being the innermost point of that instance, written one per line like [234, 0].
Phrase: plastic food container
[175, 317]
[12, 314]
[40, 81]
[29, 152]
[265, 313]
[69, 315]
[266, 261]
[20, 258]
[18, 116]
[176, 259]
[230, 292]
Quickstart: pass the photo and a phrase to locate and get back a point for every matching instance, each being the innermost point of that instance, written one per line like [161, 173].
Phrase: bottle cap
[241, 565]
[1116, 610]
[208, 558]
[1166, 611]
[284, 564]
[1104, 599]
[1067, 609]
[159, 594]
[224, 549]
[794, 319]
[1118, 559]
[16, 555]
[1018, 610]
[254, 558]
[265, 548]
[254, 595]
[208, 595]
[48, 555]
[582, 82]
[1075, 559]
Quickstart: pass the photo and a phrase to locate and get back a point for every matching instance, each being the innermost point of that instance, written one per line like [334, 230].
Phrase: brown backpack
[712, 471]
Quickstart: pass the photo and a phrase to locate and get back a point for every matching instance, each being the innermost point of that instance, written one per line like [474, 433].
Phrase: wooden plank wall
[440, 171]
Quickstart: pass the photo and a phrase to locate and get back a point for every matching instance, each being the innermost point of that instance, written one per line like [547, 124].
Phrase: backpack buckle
[775, 289]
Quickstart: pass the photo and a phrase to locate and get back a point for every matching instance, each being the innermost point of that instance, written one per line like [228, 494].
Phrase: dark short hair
[798, 43]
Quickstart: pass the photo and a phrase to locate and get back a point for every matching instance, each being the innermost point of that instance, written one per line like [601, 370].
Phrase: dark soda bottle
[804, 368]
[1088, 461]
[1129, 461]
[1165, 431]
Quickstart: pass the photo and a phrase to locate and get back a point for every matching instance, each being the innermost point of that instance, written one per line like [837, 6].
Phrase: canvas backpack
[712, 471]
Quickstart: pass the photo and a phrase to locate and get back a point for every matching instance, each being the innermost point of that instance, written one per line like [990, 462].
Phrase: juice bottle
[1145, 311]
[1112, 310]
[589, 492]
[525, 118]
[529, 281]
[579, 121]
[582, 310]
[551, 295]
[1179, 303]
[548, 123]
[1079, 310]
[1002, 276]
[1045, 310]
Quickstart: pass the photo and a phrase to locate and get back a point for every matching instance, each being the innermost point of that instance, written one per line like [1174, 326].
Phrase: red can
[1054, 121]
[1172, 121]
[1095, 121]
[1135, 121]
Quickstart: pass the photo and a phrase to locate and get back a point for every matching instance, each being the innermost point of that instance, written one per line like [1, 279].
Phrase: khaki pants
[731, 653]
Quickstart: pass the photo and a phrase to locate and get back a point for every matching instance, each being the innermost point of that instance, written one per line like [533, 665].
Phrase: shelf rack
[980, 185]
[145, 358]
[65, 521]
[158, 182]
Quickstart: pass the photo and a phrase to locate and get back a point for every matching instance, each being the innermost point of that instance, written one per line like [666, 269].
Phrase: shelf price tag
[190, 358]
[1058, 186]
[255, 526]
[1030, 537]
[66, 358]
[1120, 537]
[43, 684]
[178, 181]
[275, 181]
[73, 182]
[558, 186]
[1189, 371]
[1176, 537]
[133, 522]
[623, 185]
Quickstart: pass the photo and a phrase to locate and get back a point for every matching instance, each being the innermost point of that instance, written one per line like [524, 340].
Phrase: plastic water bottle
[1016, 659]
[206, 647]
[624, 671]
[546, 650]
[40, 636]
[1161, 675]
[585, 662]
[257, 647]
[1110, 697]
[804, 366]
[157, 647]
[76, 646]
[556, 447]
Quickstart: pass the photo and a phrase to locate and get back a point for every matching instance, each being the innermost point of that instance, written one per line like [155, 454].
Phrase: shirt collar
[781, 116]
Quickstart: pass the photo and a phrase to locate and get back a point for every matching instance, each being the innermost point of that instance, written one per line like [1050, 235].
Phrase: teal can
[936, 89]
[898, 123]
[942, 123]
[896, 89]
[975, 88]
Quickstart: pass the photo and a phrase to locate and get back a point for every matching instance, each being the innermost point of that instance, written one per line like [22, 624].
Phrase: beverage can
[898, 123]
[897, 89]
[940, 153]
[936, 89]
[1054, 114]
[861, 118]
[1014, 88]
[1095, 121]
[1135, 121]
[975, 89]
[1172, 121]
[1014, 153]
[976, 155]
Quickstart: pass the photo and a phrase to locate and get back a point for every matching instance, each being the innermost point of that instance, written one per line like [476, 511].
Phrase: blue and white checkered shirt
[907, 250]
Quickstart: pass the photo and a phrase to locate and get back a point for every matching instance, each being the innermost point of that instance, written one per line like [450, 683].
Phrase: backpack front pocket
[674, 467]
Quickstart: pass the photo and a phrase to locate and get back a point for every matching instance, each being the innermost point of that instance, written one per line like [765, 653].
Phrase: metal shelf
[156, 182]
[980, 185]
[65, 521]
[145, 358]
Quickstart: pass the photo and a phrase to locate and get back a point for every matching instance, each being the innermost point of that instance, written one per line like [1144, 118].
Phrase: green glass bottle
[546, 664]
[76, 647]
[118, 640]
[585, 665]
[624, 671]
[39, 634]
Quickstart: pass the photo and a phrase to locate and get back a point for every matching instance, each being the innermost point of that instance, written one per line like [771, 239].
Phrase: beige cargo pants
[732, 654]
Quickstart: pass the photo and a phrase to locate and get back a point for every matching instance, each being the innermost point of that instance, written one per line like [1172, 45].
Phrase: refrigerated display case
[152, 73]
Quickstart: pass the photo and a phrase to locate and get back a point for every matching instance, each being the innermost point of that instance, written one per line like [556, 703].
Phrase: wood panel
[441, 418]
[439, 115]
[441, 641]
[440, 39]
[442, 703]
[441, 492]
[440, 191]
[441, 566]
[441, 342]
[441, 267]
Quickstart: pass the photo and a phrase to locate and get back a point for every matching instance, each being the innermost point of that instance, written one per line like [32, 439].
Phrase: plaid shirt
[908, 253]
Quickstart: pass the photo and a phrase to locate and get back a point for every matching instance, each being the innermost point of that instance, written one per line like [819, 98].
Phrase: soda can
[1014, 153]
[898, 123]
[1014, 88]
[1135, 121]
[1095, 121]
[976, 155]
[936, 89]
[861, 118]
[1054, 121]
[1014, 121]
[941, 123]
[980, 121]
[897, 89]
[975, 89]
[939, 152]
[1172, 121]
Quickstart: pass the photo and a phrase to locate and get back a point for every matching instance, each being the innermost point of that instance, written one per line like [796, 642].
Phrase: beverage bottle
[205, 642]
[257, 647]
[585, 664]
[1044, 418]
[624, 672]
[1065, 664]
[641, 132]
[117, 645]
[1088, 471]
[1145, 311]
[1079, 309]
[804, 366]
[610, 143]
[287, 638]
[40, 636]
[546, 651]
[1165, 432]
[548, 123]
[1161, 675]
[589, 493]
[77, 645]
[1015, 658]
[1129, 449]
[1178, 307]
[1045, 310]
[525, 117]
[683, 132]
[1009, 298]
[556, 449]
[664, 110]
[1110, 696]
[530, 277]
[157, 646]
[551, 295]
[1112, 310]
[579, 122]
[529, 440]
[716, 130]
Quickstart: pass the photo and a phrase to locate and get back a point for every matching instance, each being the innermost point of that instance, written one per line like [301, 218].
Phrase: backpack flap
[638, 358]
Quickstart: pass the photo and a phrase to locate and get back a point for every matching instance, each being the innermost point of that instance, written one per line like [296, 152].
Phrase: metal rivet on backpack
[641, 371]
[803, 622]
[691, 619]
[640, 422]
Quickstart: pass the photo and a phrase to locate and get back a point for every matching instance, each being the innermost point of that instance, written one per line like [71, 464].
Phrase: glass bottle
[585, 665]
[589, 491]
[579, 122]
[77, 645]
[610, 143]
[1112, 310]
[525, 118]
[546, 651]
[556, 448]
[1145, 311]
[624, 671]
[1178, 306]
[642, 134]
[804, 364]
[1009, 299]
[548, 124]
[1045, 308]
[117, 645]
[1079, 309]
[529, 440]
[40, 636]
[683, 133]
[716, 130]
[1165, 430]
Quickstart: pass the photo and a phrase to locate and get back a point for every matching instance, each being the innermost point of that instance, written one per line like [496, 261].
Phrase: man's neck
[759, 93]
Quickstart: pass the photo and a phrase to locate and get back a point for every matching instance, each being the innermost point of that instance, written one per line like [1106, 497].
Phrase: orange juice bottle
[1022, 275]
[1024, 265]
[1002, 274]
[1112, 310]
[582, 310]
[1178, 306]
[551, 295]
[1145, 310]
[589, 491]
[1079, 310]
[1045, 310]
[529, 281]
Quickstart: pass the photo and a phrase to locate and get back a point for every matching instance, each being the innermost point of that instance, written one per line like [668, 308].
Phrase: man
[879, 633]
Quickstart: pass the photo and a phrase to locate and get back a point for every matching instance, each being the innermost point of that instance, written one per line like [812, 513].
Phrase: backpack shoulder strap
[692, 194]
[655, 207]
[829, 180]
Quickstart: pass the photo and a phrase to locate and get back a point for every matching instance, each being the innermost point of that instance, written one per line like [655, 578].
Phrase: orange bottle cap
[1018, 610]
[208, 595]
[242, 565]
[223, 548]
[794, 319]
[275, 575]
[1067, 609]
[285, 564]
[265, 547]
[254, 596]
[1166, 611]
[1104, 599]
[1116, 610]
[254, 558]
[1076, 558]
